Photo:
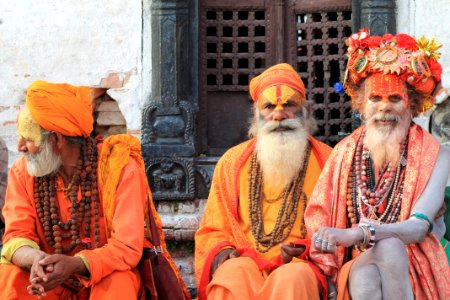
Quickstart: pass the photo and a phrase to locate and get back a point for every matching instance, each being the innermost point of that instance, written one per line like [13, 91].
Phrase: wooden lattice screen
[320, 63]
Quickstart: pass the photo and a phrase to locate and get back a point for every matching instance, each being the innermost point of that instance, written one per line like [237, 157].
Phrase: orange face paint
[279, 95]
[385, 87]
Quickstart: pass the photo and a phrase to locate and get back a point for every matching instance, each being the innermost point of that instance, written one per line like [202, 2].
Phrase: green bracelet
[424, 217]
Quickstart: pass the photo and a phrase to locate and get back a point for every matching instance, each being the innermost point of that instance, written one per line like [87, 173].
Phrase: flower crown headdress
[414, 61]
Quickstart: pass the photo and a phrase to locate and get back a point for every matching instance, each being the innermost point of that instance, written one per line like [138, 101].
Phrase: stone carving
[171, 178]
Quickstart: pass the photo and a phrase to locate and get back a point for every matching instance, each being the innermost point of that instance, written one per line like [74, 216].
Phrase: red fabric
[328, 208]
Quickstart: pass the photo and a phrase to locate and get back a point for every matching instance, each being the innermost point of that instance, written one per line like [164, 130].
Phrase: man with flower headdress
[252, 242]
[74, 209]
[376, 212]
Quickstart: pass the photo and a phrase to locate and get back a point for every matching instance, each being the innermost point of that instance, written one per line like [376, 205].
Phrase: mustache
[287, 124]
[385, 117]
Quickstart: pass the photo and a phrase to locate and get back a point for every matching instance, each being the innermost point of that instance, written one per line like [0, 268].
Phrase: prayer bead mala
[367, 198]
[47, 209]
[287, 214]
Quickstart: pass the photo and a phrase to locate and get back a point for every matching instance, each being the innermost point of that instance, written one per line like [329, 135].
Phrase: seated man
[382, 189]
[74, 210]
[251, 241]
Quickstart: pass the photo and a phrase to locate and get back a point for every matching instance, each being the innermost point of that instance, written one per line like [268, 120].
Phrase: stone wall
[85, 42]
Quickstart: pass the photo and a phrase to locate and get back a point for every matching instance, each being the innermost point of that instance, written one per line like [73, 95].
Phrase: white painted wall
[79, 42]
[430, 18]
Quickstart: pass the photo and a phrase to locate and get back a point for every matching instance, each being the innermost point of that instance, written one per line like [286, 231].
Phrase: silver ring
[318, 241]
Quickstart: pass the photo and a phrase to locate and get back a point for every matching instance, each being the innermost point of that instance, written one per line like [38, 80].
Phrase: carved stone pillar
[168, 131]
[376, 15]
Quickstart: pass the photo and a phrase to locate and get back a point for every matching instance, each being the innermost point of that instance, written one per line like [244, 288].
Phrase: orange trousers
[240, 278]
[118, 285]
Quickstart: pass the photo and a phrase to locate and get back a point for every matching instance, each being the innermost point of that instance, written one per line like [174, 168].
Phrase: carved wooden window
[235, 48]
[232, 50]
[320, 63]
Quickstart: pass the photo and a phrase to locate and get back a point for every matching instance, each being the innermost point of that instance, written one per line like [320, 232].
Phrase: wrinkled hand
[222, 256]
[58, 269]
[327, 239]
[289, 251]
[38, 271]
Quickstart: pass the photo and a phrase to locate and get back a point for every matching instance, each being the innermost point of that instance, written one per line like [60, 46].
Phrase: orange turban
[281, 74]
[61, 107]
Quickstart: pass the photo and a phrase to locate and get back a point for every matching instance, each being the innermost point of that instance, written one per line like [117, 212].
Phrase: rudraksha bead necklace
[85, 178]
[287, 214]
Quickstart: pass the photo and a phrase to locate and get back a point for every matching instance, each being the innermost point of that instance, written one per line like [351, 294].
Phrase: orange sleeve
[124, 248]
[19, 211]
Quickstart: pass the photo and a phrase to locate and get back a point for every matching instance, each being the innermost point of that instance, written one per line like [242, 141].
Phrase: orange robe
[112, 267]
[223, 224]
[328, 208]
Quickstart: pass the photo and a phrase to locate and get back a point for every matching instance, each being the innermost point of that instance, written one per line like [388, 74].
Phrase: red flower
[373, 41]
[387, 38]
[406, 42]
[436, 69]
[356, 40]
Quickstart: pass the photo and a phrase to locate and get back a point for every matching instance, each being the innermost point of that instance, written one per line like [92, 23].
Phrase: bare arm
[410, 231]
[430, 202]
[25, 256]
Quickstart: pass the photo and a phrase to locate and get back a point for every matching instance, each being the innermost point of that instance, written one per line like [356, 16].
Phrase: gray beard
[43, 163]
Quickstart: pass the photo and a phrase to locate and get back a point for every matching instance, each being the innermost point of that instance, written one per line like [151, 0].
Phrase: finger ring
[318, 241]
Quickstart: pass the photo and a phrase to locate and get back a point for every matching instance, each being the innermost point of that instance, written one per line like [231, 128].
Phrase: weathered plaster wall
[431, 19]
[85, 42]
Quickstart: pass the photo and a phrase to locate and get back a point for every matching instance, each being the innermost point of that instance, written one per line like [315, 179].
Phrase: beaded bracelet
[423, 217]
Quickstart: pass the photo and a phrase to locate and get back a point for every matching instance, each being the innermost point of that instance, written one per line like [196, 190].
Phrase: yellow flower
[429, 47]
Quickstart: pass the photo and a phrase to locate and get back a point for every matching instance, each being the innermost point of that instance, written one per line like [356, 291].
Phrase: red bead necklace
[379, 200]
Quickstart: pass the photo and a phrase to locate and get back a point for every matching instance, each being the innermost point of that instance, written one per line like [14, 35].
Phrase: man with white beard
[382, 189]
[252, 242]
[74, 208]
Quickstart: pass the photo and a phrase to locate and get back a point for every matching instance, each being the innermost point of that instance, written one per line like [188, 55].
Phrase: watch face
[386, 55]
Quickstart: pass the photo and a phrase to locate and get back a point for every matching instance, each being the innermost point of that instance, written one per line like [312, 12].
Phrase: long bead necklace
[379, 200]
[85, 179]
[287, 214]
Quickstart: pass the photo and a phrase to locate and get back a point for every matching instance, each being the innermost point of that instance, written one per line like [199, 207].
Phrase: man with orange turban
[252, 242]
[74, 209]
[375, 215]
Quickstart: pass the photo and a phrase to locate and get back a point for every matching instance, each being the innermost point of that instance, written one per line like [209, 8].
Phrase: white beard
[384, 142]
[281, 153]
[43, 163]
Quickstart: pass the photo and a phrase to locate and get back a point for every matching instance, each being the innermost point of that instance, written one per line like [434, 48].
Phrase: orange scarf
[115, 153]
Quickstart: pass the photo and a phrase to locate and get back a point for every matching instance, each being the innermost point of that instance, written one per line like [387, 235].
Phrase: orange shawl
[115, 152]
[328, 208]
[219, 227]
